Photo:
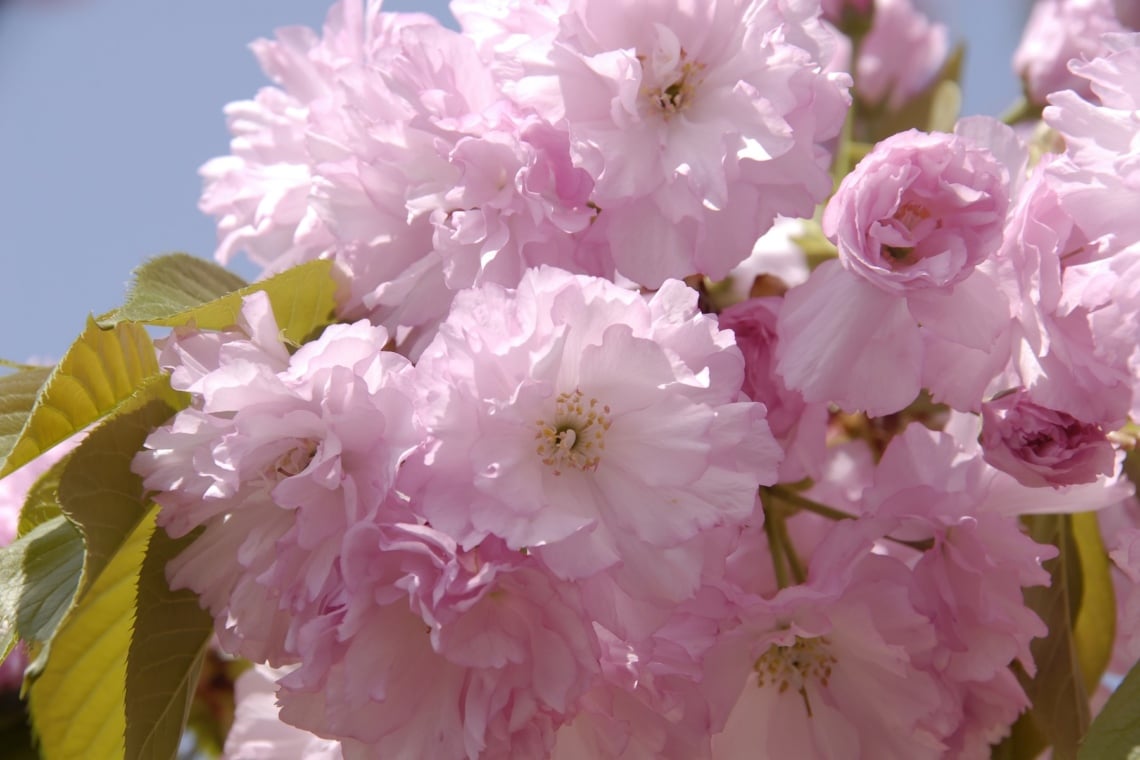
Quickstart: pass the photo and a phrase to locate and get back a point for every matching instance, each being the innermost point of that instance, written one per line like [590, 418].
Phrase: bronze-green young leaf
[98, 491]
[1060, 710]
[167, 645]
[102, 370]
[302, 299]
[1115, 734]
[40, 573]
[76, 701]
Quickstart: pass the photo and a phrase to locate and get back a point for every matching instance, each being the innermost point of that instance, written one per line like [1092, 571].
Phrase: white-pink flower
[258, 733]
[1099, 178]
[800, 667]
[1047, 266]
[589, 425]
[436, 651]
[260, 193]
[900, 55]
[907, 306]
[1059, 32]
[276, 458]
[1097, 183]
[699, 123]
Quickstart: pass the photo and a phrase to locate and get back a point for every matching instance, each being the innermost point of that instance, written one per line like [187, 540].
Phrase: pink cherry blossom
[589, 425]
[1058, 357]
[258, 733]
[532, 495]
[649, 701]
[1041, 446]
[276, 458]
[951, 460]
[1097, 180]
[260, 192]
[1057, 32]
[901, 54]
[1096, 185]
[912, 223]
[799, 427]
[804, 662]
[433, 651]
[699, 124]
[921, 211]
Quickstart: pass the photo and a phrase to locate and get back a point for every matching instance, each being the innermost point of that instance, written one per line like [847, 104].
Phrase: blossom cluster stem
[799, 501]
[775, 540]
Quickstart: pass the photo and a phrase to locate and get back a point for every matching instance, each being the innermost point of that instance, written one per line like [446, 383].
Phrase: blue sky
[108, 107]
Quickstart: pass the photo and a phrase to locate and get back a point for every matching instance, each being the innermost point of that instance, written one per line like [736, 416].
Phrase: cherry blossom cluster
[593, 464]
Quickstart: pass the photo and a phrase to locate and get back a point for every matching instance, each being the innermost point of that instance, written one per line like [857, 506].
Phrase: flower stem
[794, 564]
[794, 499]
[775, 544]
[799, 501]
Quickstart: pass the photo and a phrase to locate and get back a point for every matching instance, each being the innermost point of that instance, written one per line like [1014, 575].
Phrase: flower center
[577, 435]
[795, 665]
[676, 91]
[295, 460]
[910, 215]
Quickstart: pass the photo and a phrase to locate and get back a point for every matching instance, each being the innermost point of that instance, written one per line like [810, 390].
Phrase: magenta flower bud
[1040, 446]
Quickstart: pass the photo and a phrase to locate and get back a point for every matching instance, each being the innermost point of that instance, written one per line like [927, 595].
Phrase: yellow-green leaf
[1095, 629]
[40, 573]
[174, 284]
[167, 646]
[945, 105]
[101, 370]
[98, 491]
[1115, 734]
[76, 701]
[302, 298]
[18, 393]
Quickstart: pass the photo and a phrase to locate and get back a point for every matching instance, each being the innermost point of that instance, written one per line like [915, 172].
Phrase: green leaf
[98, 491]
[18, 392]
[1060, 709]
[42, 502]
[101, 370]
[1115, 734]
[166, 652]
[1095, 628]
[41, 574]
[945, 105]
[174, 284]
[77, 699]
[302, 298]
